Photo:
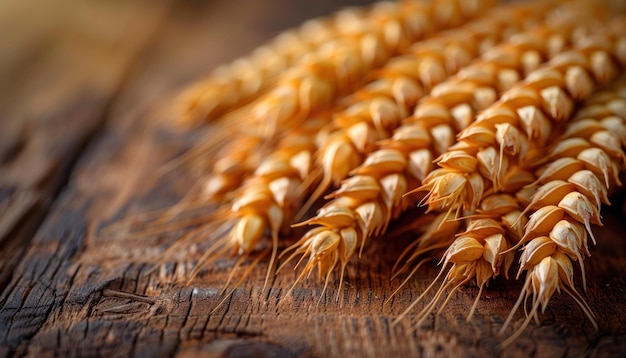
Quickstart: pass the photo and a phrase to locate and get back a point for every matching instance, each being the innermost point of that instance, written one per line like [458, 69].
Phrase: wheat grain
[497, 126]
[565, 208]
[268, 200]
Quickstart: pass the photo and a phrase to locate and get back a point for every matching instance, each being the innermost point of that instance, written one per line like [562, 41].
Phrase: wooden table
[81, 84]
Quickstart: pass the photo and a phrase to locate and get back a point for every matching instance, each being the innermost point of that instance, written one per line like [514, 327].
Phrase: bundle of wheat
[506, 121]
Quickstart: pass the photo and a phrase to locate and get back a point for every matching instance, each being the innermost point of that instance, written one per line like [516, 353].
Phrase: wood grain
[79, 153]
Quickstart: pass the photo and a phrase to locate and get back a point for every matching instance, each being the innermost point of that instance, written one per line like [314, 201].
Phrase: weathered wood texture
[81, 85]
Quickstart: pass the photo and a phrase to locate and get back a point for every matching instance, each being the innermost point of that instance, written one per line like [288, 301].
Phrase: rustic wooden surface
[80, 86]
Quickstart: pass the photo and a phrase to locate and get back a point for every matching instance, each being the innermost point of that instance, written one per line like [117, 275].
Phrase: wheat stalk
[584, 165]
[396, 25]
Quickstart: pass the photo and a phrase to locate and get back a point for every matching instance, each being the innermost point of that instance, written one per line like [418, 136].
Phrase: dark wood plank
[58, 78]
[77, 292]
